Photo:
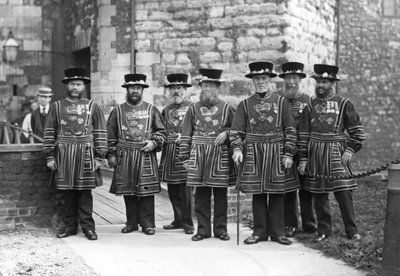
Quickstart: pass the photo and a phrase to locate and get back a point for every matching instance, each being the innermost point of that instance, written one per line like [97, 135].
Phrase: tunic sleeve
[50, 133]
[289, 129]
[227, 124]
[354, 128]
[158, 129]
[99, 132]
[237, 132]
[186, 134]
[304, 133]
[112, 133]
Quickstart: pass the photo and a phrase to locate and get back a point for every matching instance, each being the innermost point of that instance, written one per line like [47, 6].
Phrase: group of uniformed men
[272, 146]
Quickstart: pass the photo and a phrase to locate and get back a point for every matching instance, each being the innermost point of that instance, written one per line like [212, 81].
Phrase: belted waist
[74, 139]
[327, 137]
[264, 138]
[171, 139]
[123, 144]
[203, 140]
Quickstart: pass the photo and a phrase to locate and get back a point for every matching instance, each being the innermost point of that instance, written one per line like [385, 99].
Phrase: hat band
[177, 83]
[135, 82]
[325, 75]
[77, 77]
[265, 70]
[204, 78]
[293, 72]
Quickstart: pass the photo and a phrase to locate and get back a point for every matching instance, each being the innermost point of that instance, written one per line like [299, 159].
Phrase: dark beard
[322, 95]
[134, 101]
[69, 95]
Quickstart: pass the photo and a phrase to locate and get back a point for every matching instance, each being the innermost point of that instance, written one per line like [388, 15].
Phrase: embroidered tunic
[74, 135]
[264, 130]
[322, 141]
[171, 167]
[128, 128]
[209, 165]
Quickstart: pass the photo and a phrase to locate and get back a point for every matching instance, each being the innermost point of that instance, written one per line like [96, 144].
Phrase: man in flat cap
[171, 168]
[136, 132]
[293, 73]
[204, 148]
[330, 132]
[263, 137]
[75, 143]
[39, 116]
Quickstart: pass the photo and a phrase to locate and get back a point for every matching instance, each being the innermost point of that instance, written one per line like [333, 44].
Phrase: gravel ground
[38, 253]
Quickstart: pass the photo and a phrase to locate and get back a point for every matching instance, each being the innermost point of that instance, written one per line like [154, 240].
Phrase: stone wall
[31, 24]
[175, 36]
[369, 66]
[25, 195]
[184, 35]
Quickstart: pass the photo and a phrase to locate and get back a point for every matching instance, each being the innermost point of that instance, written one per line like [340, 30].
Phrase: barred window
[391, 8]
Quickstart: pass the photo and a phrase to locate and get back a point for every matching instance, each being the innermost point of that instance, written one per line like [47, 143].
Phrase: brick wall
[369, 66]
[25, 196]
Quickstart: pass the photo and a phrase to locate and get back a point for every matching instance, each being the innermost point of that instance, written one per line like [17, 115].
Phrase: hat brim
[44, 94]
[301, 75]
[178, 84]
[250, 75]
[320, 78]
[125, 85]
[67, 80]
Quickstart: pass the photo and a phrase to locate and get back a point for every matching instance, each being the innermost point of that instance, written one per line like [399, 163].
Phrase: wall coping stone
[20, 147]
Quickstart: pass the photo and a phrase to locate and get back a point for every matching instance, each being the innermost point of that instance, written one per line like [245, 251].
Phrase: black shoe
[149, 231]
[129, 229]
[281, 240]
[199, 237]
[66, 233]
[223, 236]
[172, 227]
[189, 231]
[354, 237]
[90, 235]
[320, 237]
[254, 239]
[309, 229]
[290, 232]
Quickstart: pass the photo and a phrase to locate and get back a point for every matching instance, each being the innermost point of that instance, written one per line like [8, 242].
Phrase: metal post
[391, 243]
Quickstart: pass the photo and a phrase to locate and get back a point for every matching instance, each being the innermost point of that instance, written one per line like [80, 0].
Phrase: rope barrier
[4, 124]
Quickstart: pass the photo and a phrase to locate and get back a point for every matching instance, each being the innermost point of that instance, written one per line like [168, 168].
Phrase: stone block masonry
[26, 199]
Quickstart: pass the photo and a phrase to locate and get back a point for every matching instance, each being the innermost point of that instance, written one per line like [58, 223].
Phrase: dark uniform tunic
[265, 131]
[172, 170]
[211, 169]
[128, 128]
[297, 106]
[322, 142]
[209, 165]
[74, 136]
[136, 174]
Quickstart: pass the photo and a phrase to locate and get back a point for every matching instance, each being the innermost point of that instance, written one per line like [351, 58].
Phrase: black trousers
[140, 210]
[268, 215]
[180, 196]
[308, 221]
[345, 201]
[78, 208]
[291, 212]
[202, 204]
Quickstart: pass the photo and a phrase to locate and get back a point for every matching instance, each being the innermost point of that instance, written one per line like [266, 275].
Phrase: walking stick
[238, 204]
